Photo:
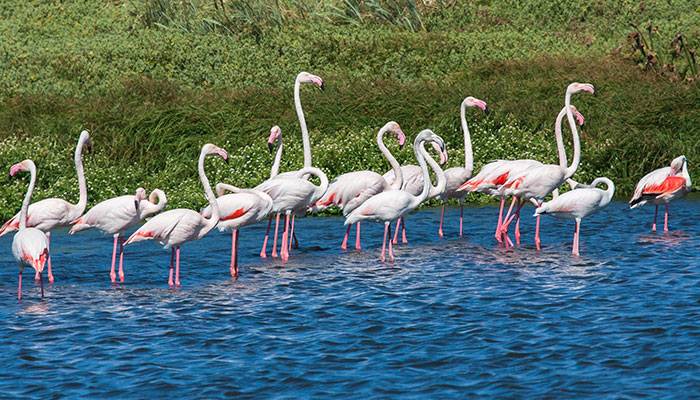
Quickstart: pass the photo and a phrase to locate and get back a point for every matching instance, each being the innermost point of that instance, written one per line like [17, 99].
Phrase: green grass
[152, 91]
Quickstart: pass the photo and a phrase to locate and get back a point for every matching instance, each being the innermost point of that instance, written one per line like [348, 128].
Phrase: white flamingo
[661, 186]
[30, 246]
[49, 214]
[578, 203]
[114, 216]
[173, 228]
[392, 204]
[351, 189]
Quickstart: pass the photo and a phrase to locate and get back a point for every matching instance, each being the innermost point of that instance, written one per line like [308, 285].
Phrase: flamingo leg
[170, 270]
[263, 252]
[41, 284]
[666, 219]
[344, 245]
[386, 233]
[461, 217]
[537, 233]
[121, 259]
[274, 240]
[177, 266]
[656, 212]
[403, 234]
[234, 251]
[517, 231]
[112, 274]
[295, 241]
[358, 245]
[284, 251]
[574, 250]
[292, 234]
[442, 217]
[503, 225]
[391, 249]
[19, 286]
[500, 219]
[48, 246]
[396, 230]
[508, 220]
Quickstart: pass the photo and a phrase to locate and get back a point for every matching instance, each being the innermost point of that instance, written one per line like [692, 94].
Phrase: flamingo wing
[653, 184]
[574, 204]
[112, 215]
[45, 215]
[178, 225]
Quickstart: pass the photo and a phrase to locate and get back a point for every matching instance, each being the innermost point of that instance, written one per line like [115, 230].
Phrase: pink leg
[121, 260]
[391, 248]
[396, 230]
[538, 242]
[177, 266]
[500, 220]
[386, 233]
[517, 231]
[19, 286]
[274, 240]
[234, 250]
[508, 220]
[291, 235]
[656, 212]
[358, 246]
[500, 233]
[170, 270]
[48, 236]
[574, 250]
[263, 252]
[666, 219]
[442, 217]
[403, 233]
[344, 245]
[112, 273]
[284, 251]
[461, 217]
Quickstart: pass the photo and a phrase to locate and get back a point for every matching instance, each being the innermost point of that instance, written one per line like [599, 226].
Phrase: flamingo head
[85, 140]
[474, 102]
[677, 164]
[20, 167]
[275, 135]
[305, 77]
[578, 116]
[212, 149]
[427, 135]
[442, 152]
[580, 87]
[396, 129]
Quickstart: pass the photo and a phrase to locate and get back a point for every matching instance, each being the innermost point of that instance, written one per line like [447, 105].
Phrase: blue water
[451, 318]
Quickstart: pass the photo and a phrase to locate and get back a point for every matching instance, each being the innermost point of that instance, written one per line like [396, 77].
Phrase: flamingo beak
[270, 147]
[487, 110]
[322, 86]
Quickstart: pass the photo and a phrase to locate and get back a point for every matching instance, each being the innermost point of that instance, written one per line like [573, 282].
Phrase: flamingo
[661, 186]
[49, 214]
[302, 77]
[291, 195]
[537, 183]
[392, 204]
[351, 189]
[240, 208]
[175, 227]
[579, 203]
[30, 246]
[114, 216]
[456, 176]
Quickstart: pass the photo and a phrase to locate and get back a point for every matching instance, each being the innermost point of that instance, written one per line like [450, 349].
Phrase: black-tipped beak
[136, 204]
[487, 110]
[226, 160]
[270, 147]
[401, 146]
[323, 86]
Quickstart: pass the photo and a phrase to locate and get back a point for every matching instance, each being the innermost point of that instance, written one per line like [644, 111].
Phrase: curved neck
[395, 166]
[278, 158]
[27, 198]
[468, 153]
[214, 219]
[561, 151]
[320, 189]
[439, 187]
[82, 186]
[421, 155]
[686, 175]
[609, 187]
[577, 144]
[147, 207]
[302, 123]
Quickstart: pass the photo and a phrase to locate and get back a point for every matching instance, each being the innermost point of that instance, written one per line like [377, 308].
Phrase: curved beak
[270, 147]
[323, 86]
[487, 110]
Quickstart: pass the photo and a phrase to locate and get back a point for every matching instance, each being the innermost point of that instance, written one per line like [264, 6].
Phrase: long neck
[561, 151]
[27, 198]
[686, 175]
[439, 187]
[214, 219]
[278, 158]
[302, 123]
[468, 153]
[577, 144]
[395, 166]
[82, 200]
[147, 208]
[320, 189]
[421, 155]
[609, 187]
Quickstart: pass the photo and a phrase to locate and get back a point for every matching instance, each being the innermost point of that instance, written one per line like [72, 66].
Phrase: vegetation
[153, 80]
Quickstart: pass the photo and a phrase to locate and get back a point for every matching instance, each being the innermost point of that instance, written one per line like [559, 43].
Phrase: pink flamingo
[537, 183]
[661, 186]
[291, 195]
[456, 176]
[49, 214]
[114, 216]
[240, 208]
[392, 204]
[302, 78]
[351, 189]
[173, 228]
[30, 246]
[579, 203]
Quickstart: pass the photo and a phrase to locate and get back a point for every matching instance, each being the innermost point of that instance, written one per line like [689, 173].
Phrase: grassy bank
[152, 91]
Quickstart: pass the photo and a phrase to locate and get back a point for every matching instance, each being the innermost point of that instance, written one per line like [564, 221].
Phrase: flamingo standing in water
[661, 186]
[456, 176]
[537, 183]
[392, 204]
[30, 246]
[240, 208]
[302, 77]
[49, 214]
[114, 216]
[349, 190]
[578, 203]
[175, 227]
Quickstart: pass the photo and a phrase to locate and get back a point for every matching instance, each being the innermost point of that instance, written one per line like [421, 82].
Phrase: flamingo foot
[113, 277]
[51, 280]
[37, 277]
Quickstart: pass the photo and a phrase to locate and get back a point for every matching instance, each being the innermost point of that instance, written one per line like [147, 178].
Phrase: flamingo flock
[359, 195]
